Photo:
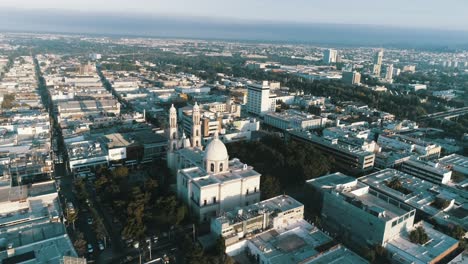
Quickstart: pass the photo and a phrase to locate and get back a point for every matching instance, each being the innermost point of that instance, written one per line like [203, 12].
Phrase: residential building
[330, 56]
[378, 56]
[351, 77]
[258, 99]
[389, 73]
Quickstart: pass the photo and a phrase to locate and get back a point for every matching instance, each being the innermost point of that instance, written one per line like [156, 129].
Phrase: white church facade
[207, 181]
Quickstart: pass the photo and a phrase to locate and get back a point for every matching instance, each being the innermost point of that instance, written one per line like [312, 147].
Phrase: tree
[271, 186]
[120, 172]
[72, 217]
[458, 232]
[419, 236]
[80, 244]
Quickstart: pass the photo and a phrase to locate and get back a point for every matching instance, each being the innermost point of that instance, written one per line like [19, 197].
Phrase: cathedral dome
[216, 150]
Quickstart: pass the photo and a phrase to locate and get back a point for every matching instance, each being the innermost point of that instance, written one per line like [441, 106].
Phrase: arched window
[221, 166]
[196, 144]
[196, 133]
[174, 135]
[212, 167]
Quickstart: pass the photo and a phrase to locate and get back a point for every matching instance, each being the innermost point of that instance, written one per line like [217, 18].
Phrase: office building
[274, 231]
[277, 212]
[441, 203]
[299, 243]
[422, 149]
[353, 160]
[293, 119]
[330, 56]
[402, 250]
[456, 163]
[426, 170]
[359, 214]
[32, 231]
[366, 217]
[351, 77]
[258, 99]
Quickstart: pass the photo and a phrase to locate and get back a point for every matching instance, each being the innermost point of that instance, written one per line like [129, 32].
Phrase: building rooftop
[276, 204]
[85, 149]
[331, 181]
[457, 161]
[438, 244]
[421, 195]
[301, 243]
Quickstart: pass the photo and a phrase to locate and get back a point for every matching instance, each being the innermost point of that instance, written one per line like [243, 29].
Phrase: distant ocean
[200, 28]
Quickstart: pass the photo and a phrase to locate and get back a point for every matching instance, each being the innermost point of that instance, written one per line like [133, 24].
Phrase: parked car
[70, 208]
[101, 245]
[90, 248]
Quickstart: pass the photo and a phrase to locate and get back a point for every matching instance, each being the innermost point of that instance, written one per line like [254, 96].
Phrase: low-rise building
[446, 205]
[277, 212]
[293, 119]
[456, 163]
[352, 159]
[351, 209]
[426, 170]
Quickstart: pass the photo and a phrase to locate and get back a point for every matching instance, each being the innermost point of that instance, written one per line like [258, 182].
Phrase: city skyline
[447, 15]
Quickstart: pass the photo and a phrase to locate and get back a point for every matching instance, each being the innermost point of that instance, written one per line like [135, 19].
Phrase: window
[174, 135]
[247, 192]
[214, 199]
[394, 223]
[204, 202]
[212, 167]
[412, 213]
[196, 134]
[221, 166]
[255, 189]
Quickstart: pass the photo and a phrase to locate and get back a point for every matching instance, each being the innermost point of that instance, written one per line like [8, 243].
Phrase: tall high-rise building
[351, 77]
[258, 98]
[378, 62]
[330, 56]
[389, 72]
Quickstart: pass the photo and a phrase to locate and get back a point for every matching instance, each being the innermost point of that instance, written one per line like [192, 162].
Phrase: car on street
[70, 208]
[90, 248]
[101, 245]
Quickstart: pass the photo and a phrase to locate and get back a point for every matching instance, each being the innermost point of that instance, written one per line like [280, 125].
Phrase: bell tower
[196, 127]
[173, 133]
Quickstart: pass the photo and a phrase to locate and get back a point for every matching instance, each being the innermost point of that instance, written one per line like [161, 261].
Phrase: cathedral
[207, 181]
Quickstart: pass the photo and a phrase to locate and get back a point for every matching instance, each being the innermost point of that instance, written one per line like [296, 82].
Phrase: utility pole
[193, 231]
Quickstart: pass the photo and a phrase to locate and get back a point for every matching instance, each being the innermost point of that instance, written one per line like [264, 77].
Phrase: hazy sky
[441, 14]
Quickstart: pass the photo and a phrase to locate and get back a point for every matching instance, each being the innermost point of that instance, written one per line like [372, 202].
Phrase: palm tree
[72, 217]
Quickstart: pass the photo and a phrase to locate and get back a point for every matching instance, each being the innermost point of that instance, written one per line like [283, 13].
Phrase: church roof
[216, 150]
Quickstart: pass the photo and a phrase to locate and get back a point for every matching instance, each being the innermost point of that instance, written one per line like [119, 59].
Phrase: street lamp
[137, 246]
[149, 247]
